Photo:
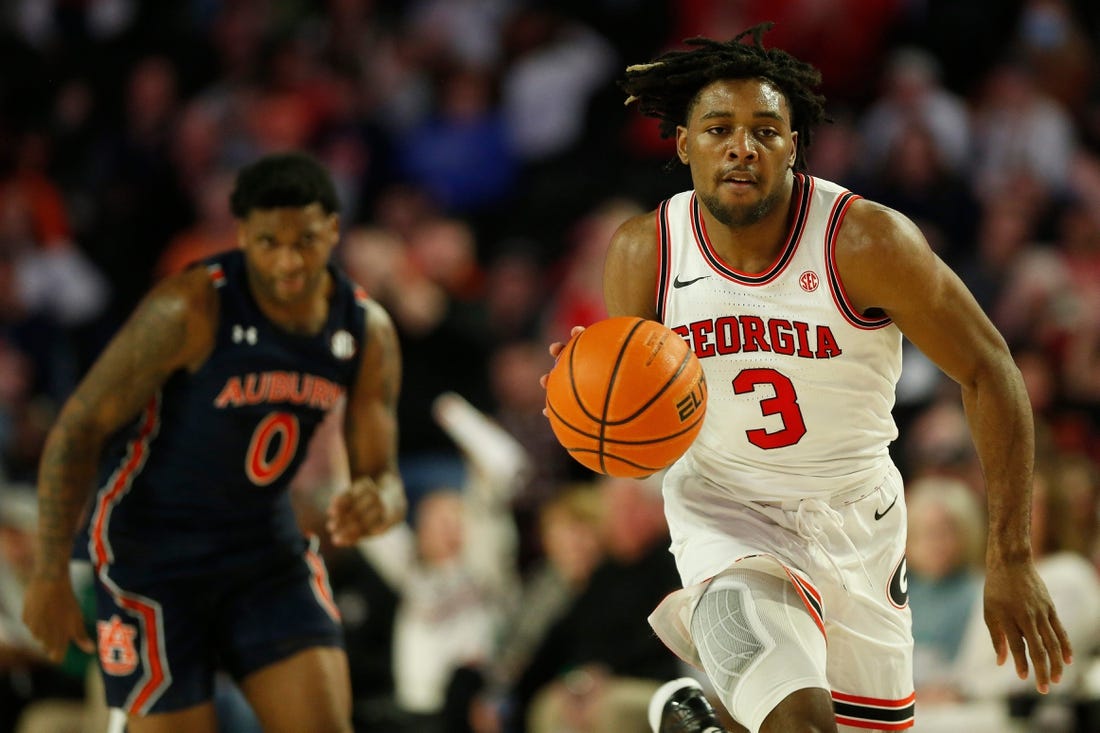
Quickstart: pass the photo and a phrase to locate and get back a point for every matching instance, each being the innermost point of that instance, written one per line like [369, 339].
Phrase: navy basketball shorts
[160, 641]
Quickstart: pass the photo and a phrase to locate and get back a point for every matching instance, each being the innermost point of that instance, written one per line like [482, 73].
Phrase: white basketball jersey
[801, 386]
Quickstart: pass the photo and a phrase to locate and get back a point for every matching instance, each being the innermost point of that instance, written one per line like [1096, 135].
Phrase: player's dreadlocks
[666, 87]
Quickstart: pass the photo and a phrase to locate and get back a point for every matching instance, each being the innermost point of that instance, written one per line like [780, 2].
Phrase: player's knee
[761, 648]
[745, 615]
[727, 630]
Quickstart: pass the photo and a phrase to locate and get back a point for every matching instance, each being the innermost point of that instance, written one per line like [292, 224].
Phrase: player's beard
[741, 216]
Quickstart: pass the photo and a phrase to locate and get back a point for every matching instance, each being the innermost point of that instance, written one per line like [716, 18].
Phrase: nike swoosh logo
[879, 515]
[678, 283]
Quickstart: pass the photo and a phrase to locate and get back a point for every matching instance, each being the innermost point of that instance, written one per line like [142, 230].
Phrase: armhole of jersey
[836, 287]
[361, 300]
[664, 260]
[216, 274]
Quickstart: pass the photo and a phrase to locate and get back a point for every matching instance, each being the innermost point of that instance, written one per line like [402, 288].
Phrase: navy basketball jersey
[199, 480]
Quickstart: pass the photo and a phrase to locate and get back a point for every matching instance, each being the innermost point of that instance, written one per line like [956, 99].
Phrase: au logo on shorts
[117, 652]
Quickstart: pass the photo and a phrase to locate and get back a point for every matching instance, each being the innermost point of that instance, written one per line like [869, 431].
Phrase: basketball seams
[638, 323]
[656, 395]
[620, 441]
[604, 456]
[577, 399]
[625, 360]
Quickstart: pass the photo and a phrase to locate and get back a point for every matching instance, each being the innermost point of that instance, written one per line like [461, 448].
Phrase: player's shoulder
[377, 322]
[870, 228]
[637, 234]
[189, 295]
[377, 317]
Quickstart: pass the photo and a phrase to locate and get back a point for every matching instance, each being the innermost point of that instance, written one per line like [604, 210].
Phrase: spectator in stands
[583, 678]
[944, 552]
[26, 675]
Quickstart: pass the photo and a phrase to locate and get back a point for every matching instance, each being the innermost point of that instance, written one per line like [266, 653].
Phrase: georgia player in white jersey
[787, 517]
[788, 335]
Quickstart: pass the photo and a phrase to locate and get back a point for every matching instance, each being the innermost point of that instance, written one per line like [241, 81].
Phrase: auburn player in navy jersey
[787, 515]
[195, 417]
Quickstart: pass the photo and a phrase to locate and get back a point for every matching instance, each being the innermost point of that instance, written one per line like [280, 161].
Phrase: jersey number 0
[263, 464]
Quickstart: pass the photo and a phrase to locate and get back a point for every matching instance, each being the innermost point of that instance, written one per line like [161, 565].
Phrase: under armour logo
[248, 335]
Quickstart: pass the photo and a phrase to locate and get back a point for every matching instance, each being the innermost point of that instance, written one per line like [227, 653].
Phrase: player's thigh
[307, 691]
[196, 719]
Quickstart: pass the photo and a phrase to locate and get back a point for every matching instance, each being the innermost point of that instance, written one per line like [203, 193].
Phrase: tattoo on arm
[69, 459]
[126, 376]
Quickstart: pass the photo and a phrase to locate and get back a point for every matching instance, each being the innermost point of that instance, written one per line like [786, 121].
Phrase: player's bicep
[630, 270]
[371, 420]
[169, 330]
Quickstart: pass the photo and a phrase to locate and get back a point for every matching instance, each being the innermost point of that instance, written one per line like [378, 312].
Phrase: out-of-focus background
[484, 156]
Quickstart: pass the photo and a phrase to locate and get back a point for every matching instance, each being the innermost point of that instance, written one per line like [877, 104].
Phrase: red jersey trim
[836, 287]
[319, 584]
[120, 482]
[803, 190]
[874, 713]
[664, 260]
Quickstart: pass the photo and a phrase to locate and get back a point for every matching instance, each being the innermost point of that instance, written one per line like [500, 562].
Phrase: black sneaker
[685, 709]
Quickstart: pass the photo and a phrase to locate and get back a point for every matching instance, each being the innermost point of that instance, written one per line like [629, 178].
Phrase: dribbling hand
[555, 350]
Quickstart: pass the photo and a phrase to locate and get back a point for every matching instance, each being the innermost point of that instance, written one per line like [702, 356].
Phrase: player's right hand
[366, 508]
[53, 616]
[555, 351]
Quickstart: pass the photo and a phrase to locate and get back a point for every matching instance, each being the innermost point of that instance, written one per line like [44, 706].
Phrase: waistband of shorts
[835, 501]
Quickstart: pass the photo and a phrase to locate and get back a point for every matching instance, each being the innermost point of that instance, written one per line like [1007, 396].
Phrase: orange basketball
[626, 397]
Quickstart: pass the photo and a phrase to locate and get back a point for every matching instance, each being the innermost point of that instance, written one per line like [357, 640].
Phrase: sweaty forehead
[728, 97]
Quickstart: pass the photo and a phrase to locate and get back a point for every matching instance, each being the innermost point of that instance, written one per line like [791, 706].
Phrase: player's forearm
[66, 472]
[1001, 425]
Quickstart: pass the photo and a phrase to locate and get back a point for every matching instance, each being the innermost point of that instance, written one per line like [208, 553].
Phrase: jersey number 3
[262, 463]
[784, 404]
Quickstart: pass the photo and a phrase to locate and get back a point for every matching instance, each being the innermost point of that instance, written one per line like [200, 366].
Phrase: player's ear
[793, 155]
[681, 144]
[242, 235]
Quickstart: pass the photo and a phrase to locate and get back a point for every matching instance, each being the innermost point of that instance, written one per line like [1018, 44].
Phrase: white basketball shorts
[845, 557]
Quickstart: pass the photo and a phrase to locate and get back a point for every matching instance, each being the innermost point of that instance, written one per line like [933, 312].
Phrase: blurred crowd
[484, 156]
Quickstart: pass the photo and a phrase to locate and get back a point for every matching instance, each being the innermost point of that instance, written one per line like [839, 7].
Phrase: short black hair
[667, 87]
[283, 179]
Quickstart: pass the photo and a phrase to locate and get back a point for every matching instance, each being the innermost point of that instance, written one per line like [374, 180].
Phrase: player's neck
[304, 317]
[751, 248]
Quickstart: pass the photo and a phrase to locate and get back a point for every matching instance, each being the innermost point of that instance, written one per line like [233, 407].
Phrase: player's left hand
[1022, 620]
[365, 508]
